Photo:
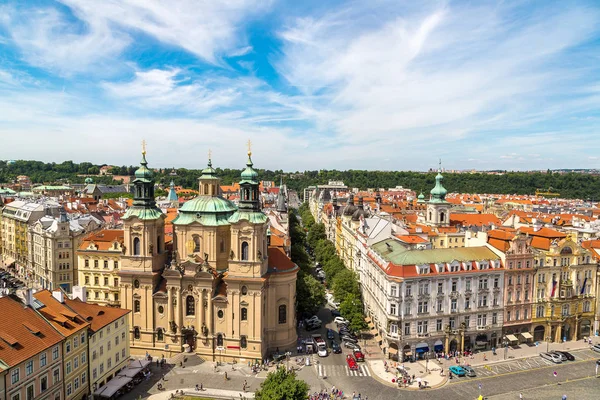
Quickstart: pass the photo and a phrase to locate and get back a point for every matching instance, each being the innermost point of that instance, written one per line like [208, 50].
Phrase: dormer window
[440, 268]
[423, 269]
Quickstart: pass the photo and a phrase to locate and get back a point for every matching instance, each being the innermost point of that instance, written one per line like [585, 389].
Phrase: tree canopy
[282, 385]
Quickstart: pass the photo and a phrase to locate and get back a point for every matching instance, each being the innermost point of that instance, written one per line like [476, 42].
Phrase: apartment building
[53, 242]
[516, 253]
[418, 301]
[565, 286]
[74, 328]
[108, 338]
[31, 352]
[98, 261]
[17, 216]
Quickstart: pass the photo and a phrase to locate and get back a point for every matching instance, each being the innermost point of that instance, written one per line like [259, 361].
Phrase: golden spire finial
[209, 154]
[143, 147]
[249, 148]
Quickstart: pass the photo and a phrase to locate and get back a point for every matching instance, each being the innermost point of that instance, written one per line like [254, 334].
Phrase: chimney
[59, 295]
[29, 297]
[79, 292]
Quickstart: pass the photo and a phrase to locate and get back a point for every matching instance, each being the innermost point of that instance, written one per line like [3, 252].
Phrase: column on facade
[575, 333]
[558, 337]
[169, 305]
[251, 320]
[446, 342]
[202, 310]
[462, 340]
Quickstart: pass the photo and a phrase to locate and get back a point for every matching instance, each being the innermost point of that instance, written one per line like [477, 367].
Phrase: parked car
[340, 320]
[596, 347]
[350, 345]
[566, 354]
[358, 355]
[335, 348]
[555, 358]
[351, 362]
[330, 334]
[347, 338]
[350, 335]
[457, 370]
[558, 353]
[469, 371]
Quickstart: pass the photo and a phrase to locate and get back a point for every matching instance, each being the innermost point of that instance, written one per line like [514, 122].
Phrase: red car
[358, 355]
[351, 362]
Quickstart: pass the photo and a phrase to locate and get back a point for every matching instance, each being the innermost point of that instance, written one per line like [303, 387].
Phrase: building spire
[209, 157]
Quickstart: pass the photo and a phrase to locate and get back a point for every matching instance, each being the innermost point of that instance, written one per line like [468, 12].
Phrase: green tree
[310, 294]
[282, 385]
[93, 170]
[352, 309]
[345, 283]
[316, 233]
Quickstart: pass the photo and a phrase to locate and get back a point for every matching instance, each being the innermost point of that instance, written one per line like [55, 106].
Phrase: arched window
[136, 306]
[243, 342]
[196, 244]
[220, 340]
[244, 314]
[282, 314]
[442, 216]
[430, 216]
[160, 335]
[205, 188]
[136, 246]
[136, 333]
[244, 251]
[190, 305]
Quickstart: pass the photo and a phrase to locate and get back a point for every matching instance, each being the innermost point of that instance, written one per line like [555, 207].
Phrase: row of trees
[342, 281]
[569, 185]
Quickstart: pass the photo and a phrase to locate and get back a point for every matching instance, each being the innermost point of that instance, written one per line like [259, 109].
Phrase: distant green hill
[569, 185]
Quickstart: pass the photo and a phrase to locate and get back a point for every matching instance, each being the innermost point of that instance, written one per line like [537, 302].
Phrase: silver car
[562, 356]
[596, 347]
[555, 358]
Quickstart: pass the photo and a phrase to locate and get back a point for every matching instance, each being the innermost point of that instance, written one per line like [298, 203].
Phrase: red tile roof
[279, 261]
[23, 332]
[98, 316]
[59, 315]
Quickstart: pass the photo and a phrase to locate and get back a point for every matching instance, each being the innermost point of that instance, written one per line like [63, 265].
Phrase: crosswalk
[341, 370]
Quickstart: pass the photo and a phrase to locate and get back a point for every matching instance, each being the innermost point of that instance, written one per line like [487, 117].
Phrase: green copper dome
[438, 193]
[209, 172]
[143, 172]
[249, 175]
[88, 181]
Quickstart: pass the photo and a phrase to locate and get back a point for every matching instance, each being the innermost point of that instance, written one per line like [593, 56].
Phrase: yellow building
[565, 286]
[17, 216]
[225, 294]
[74, 329]
[108, 338]
[98, 261]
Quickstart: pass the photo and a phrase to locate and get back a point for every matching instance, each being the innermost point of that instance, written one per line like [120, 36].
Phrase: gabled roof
[97, 316]
[103, 239]
[543, 232]
[279, 262]
[411, 239]
[62, 318]
[23, 332]
[474, 219]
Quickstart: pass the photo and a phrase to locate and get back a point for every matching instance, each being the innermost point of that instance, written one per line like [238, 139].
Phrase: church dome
[249, 175]
[143, 172]
[208, 204]
[88, 181]
[438, 193]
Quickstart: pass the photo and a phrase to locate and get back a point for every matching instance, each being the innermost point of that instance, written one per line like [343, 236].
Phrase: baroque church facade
[225, 294]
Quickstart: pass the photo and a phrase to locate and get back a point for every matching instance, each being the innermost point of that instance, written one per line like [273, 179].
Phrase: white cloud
[159, 89]
[442, 73]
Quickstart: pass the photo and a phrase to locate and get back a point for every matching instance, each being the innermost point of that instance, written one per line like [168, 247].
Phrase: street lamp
[505, 344]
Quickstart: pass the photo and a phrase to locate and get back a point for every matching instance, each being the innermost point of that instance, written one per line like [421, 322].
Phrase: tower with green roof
[144, 254]
[249, 228]
[438, 209]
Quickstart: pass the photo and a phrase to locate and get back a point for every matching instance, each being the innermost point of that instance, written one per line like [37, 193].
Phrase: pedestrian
[564, 397]
[520, 396]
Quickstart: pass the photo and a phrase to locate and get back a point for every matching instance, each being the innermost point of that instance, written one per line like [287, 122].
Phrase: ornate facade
[225, 294]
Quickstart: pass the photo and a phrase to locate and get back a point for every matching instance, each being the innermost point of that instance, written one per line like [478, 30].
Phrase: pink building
[518, 282]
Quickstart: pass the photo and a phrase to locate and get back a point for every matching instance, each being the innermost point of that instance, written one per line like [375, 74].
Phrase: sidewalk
[515, 352]
[216, 393]
[375, 360]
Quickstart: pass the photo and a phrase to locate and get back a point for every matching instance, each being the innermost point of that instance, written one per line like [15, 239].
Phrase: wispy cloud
[382, 84]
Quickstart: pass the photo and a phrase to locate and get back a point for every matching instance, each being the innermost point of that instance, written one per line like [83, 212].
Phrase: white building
[420, 301]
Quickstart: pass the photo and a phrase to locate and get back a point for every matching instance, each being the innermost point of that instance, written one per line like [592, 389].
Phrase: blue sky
[390, 85]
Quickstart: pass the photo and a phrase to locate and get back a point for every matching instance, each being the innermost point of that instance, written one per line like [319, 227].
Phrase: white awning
[526, 335]
[512, 338]
[112, 386]
[129, 372]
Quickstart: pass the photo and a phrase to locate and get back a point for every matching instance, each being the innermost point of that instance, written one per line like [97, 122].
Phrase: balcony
[422, 335]
[482, 306]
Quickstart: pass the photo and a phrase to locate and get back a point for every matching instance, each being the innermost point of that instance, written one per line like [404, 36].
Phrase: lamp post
[505, 344]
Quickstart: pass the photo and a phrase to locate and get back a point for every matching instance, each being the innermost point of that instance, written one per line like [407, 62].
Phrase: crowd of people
[334, 394]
